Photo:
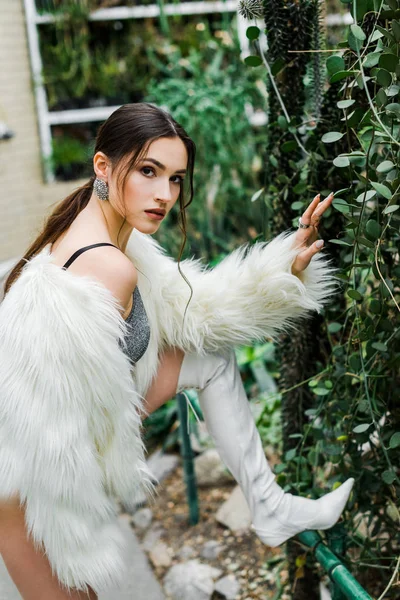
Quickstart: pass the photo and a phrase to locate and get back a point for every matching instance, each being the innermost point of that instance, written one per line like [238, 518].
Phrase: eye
[148, 168]
[180, 179]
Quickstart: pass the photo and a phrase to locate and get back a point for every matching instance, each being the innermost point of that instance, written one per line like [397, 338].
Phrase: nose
[166, 192]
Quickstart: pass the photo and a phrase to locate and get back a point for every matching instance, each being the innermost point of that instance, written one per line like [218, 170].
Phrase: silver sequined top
[138, 336]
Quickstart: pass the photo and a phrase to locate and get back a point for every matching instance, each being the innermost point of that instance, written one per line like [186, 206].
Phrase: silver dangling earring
[101, 188]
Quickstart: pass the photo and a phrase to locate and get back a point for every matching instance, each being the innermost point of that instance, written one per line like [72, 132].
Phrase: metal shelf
[48, 118]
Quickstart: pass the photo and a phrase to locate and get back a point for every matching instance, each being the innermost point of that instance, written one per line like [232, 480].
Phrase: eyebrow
[156, 162]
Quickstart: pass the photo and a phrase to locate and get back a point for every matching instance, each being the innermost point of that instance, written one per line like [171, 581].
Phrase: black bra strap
[78, 252]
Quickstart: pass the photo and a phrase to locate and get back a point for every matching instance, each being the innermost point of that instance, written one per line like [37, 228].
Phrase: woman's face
[154, 186]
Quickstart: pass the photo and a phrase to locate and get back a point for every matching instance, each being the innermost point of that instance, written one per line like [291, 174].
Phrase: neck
[102, 213]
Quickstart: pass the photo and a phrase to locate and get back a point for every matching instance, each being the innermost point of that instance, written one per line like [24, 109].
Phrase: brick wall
[25, 200]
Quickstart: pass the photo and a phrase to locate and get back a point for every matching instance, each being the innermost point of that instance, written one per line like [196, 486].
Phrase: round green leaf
[345, 103]
[388, 476]
[290, 454]
[273, 161]
[393, 109]
[320, 391]
[334, 327]
[379, 346]
[354, 294]
[282, 122]
[362, 428]
[335, 64]
[383, 190]
[341, 205]
[277, 66]
[389, 62]
[381, 98]
[376, 35]
[373, 229]
[332, 136]
[289, 146]
[253, 61]
[366, 196]
[393, 90]
[371, 60]
[341, 75]
[375, 306]
[280, 468]
[395, 440]
[384, 78]
[358, 32]
[390, 209]
[341, 161]
[252, 32]
[385, 166]
[353, 42]
[297, 205]
[300, 187]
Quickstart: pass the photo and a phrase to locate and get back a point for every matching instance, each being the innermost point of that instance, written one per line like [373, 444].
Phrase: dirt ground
[261, 571]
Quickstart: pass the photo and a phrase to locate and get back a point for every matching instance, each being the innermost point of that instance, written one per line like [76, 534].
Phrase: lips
[157, 211]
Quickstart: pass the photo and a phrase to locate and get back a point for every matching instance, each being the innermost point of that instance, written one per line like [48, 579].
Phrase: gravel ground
[261, 571]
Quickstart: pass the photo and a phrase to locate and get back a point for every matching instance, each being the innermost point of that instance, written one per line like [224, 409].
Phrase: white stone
[190, 581]
[160, 556]
[211, 550]
[228, 587]
[210, 470]
[186, 552]
[142, 518]
[151, 538]
[235, 512]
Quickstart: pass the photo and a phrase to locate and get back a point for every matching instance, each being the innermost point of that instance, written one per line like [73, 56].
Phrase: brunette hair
[126, 134]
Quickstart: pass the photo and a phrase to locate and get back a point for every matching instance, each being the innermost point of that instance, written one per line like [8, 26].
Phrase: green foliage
[207, 93]
[67, 150]
[352, 427]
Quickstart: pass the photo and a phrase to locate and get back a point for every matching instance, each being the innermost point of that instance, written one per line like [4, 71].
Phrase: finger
[319, 211]
[303, 259]
[306, 216]
[314, 248]
[322, 206]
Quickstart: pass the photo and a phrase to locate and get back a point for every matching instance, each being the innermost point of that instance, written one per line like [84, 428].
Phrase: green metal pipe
[188, 463]
[336, 540]
[334, 567]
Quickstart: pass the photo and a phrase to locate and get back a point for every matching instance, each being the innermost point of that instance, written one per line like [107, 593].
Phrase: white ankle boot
[276, 515]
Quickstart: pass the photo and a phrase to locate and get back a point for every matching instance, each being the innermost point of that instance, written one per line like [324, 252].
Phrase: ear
[101, 166]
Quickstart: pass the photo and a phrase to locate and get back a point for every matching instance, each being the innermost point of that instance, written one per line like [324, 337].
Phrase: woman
[97, 330]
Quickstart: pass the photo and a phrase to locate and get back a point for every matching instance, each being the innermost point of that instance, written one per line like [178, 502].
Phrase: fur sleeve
[63, 384]
[250, 295]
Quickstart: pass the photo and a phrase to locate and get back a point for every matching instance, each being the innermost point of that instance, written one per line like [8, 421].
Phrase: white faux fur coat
[70, 435]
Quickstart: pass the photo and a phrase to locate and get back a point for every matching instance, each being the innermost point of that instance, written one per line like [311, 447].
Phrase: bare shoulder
[113, 269]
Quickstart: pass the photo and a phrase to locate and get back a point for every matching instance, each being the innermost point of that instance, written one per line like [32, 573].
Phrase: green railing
[343, 583]
[188, 463]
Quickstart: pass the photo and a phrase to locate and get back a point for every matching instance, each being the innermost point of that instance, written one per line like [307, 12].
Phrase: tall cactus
[291, 28]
